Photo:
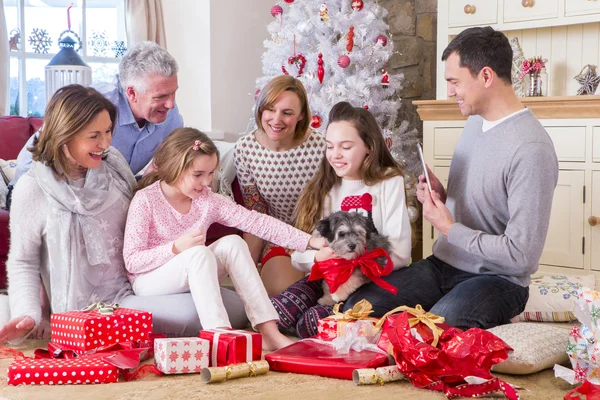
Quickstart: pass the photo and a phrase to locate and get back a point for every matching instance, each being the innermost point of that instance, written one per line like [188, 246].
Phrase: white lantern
[66, 68]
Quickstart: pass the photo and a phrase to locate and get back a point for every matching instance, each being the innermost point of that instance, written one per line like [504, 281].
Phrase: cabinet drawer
[444, 142]
[596, 144]
[569, 142]
[581, 7]
[472, 12]
[528, 10]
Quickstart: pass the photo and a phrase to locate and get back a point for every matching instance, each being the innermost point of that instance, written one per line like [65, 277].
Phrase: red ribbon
[337, 271]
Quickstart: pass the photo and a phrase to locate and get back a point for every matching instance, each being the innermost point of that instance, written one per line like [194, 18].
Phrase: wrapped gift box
[84, 331]
[61, 371]
[313, 357]
[330, 328]
[181, 355]
[229, 346]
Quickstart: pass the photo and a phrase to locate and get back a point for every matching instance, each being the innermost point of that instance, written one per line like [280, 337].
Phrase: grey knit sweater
[500, 191]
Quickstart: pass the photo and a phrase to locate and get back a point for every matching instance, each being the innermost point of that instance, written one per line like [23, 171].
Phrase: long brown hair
[379, 165]
[70, 110]
[271, 92]
[176, 154]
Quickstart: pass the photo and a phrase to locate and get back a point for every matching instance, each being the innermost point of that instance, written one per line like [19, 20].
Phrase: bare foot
[274, 341]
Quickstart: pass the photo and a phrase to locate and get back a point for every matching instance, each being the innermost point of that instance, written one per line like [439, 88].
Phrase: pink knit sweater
[153, 225]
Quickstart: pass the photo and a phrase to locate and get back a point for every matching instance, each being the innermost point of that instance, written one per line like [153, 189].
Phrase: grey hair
[143, 60]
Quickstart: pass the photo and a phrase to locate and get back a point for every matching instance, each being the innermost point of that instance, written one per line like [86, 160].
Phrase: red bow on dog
[337, 271]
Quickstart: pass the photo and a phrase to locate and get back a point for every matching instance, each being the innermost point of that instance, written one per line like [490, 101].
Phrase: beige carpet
[274, 385]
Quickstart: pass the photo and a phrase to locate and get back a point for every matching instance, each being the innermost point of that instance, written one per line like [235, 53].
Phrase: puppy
[350, 235]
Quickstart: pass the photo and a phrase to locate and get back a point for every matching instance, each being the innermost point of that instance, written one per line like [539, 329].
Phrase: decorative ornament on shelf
[15, 40]
[320, 69]
[357, 5]
[385, 78]
[119, 48]
[40, 41]
[537, 79]
[344, 61]
[517, 62]
[350, 44]
[588, 79]
[276, 10]
[316, 121]
[381, 39]
[324, 12]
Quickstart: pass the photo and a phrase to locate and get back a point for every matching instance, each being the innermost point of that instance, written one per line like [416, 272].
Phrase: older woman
[67, 224]
[273, 164]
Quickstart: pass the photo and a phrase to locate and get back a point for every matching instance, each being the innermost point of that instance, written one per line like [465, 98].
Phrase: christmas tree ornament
[385, 79]
[324, 12]
[357, 5]
[350, 39]
[15, 40]
[289, 1]
[382, 39]
[588, 79]
[276, 10]
[256, 94]
[517, 61]
[40, 41]
[344, 61]
[298, 60]
[320, 69]
[366, 107]
[305, 28]
[413, 214]
[316, 121]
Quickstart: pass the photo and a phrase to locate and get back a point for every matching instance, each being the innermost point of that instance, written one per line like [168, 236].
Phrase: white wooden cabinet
[572, 244]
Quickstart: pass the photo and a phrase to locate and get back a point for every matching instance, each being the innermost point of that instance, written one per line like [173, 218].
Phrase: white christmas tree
[339, 49]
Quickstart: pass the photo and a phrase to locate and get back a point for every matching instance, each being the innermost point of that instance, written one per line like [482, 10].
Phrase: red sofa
[14, 133]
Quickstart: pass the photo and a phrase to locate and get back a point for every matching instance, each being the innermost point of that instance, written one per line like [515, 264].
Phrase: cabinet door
[429, 233]
[596, 142]
[529, 10]
[472, 12]
[564, 243]
[595, 231]
[581, 7]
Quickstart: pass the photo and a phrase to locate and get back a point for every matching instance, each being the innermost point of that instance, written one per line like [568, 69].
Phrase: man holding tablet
[494, 216]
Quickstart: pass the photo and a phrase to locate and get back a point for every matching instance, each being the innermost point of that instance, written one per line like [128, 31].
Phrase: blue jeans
[464, 299]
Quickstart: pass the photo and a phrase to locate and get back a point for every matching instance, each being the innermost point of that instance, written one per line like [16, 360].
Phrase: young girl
[164, 247]
[358, 174]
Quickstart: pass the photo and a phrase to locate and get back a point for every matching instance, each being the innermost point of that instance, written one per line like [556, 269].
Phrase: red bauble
[344, 61]
[383, 39]
[256, 94]
[366, 107]
[357, 5]
[289, 1]
[276, 10]
[320, 69]
[316, 121]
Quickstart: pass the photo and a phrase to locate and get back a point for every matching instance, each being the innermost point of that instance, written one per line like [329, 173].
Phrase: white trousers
[199, 270]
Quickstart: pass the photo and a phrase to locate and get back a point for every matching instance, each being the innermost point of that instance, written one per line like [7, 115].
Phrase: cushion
[535, 347]
[8, 170]
[552, 297]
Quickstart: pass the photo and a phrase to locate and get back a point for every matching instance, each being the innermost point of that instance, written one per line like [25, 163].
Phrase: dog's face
[347, 233]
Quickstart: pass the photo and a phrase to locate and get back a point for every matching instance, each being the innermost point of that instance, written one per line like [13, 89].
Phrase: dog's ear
[324, 228]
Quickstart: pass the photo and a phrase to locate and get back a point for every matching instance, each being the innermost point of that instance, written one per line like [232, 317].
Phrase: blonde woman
[274, 164]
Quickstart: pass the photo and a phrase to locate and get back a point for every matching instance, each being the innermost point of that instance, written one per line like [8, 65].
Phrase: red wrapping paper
[60, 371]
[84, 331]
[313, 358]
[232, 346]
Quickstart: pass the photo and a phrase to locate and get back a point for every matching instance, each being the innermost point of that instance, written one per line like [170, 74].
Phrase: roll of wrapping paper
[370, 376]
[242, 370]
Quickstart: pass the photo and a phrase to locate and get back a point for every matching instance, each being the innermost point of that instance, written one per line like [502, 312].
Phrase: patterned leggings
[298, 308]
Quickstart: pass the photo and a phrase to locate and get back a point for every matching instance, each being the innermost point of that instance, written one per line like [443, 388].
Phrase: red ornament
[357, 5]
[316, 121]
[289, 1]
[350, 44]
[381, 39]
[366, 107]
[344, 61]
[385, 80]
[256, 94]
[320, 69]
[276, 10]
[300, 62]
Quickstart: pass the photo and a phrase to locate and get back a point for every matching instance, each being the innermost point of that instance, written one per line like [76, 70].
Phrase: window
[34, 28]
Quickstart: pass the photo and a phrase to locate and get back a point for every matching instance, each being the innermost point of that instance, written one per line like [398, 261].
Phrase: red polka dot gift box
[60, 371]
[82, 331]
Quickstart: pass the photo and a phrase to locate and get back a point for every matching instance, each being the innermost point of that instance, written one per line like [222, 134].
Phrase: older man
[145, 100]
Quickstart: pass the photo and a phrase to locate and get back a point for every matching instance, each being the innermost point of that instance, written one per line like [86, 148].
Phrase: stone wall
[413, 24]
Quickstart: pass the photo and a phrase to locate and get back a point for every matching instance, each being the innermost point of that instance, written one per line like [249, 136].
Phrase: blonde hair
[176, 154]
[378, 166]
[271, 92]
[70, 110]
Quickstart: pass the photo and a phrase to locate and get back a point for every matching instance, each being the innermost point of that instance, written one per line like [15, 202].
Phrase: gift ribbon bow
[361, 310]
[103, 308]
[418, 315]
[337, 271]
